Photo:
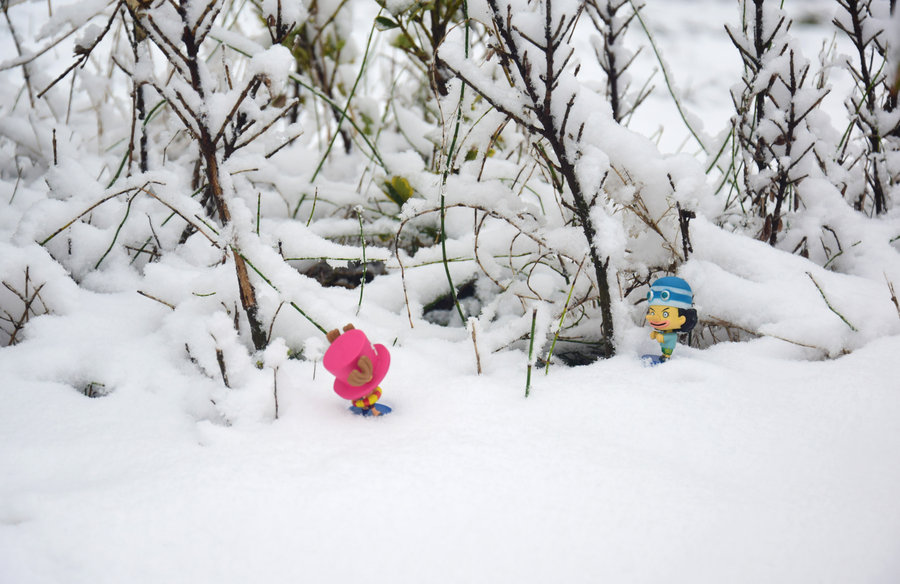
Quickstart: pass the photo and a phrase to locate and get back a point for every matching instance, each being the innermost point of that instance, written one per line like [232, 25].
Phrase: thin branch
[716, 321]
[211, 10]
[151, 297]
[252, 85]
[517, 117]
[25, 72]
[173, 54]
[30, 58]
[827, 303]
[84, 53]
[86, 211]
[286, 110]
[893, 295]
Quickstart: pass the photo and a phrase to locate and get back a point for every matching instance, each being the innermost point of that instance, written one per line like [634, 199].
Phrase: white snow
[739, 463]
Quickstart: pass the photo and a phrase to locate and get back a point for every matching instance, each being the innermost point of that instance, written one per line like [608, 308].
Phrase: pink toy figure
[358, 368]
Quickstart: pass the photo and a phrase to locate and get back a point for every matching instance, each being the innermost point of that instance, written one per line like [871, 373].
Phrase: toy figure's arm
[362, 374]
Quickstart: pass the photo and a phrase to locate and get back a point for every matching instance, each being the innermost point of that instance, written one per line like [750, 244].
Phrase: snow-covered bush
[419, 29]
[615, 217]
[188, 128]
[871, 145]
[318, 35]
[611, 18]
[771, 126]
[191, 151]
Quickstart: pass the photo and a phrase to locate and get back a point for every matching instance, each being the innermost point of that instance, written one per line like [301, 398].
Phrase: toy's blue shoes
[651, 360]
[381, 409]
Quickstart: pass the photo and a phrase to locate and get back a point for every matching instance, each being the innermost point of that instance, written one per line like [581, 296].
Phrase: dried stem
[890, 286]
[827, 303]
[530, 353]
[25, 72]
[275, 389]
[151, 297]
[473, 326]
[28, 297]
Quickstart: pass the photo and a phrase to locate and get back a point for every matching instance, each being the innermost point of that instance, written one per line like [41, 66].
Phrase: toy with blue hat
[670, 311]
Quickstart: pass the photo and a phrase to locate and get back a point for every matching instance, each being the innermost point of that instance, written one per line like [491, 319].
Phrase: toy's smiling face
[665, 318]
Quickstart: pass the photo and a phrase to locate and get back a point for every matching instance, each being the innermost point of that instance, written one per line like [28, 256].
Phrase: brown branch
[220, 358]
[180, 214]
[893, 295]
[252, 85]
[172, 53]
[275, 389]
[211, 10]
[27, 59]
[27, 298]
[84, 53]
[716, 321]
[286, 110]
[156, 299]
[25, 73]
[88, 210]
[519, 118]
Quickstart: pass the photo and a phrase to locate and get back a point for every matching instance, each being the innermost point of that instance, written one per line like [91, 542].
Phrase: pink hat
[341, 359]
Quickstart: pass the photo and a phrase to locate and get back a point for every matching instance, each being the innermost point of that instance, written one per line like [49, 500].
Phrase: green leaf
[385, 23]
[404, 42]
[398, 190]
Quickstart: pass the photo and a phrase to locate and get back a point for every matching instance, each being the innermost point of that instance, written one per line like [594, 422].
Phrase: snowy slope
[739, 463]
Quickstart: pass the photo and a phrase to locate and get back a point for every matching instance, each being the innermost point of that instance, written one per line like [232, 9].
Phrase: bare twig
[562, 317]
[827, 303]
[180, 214]
[265, 128]
[275, 389]
[251, 86]
[721, 322]
[292, 303]
[151, 297]
[473, 326]
[31, 57]
[85, 212]
[893, 295]
[220, 358]
[25, 72]
[83, 52]
[272, 324]
[28, 297]
[530, 353]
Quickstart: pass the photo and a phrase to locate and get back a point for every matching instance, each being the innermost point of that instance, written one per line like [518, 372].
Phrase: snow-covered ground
[752, 462]
[739, 463]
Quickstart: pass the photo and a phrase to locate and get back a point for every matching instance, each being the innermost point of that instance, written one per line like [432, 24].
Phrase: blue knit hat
[670, 291]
